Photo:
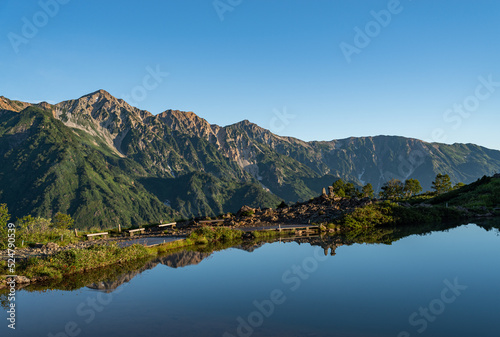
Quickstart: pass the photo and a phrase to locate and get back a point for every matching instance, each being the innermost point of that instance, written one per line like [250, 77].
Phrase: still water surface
[440, 284]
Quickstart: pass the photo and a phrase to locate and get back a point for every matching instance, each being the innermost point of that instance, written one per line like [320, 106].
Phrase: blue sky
[276, 63]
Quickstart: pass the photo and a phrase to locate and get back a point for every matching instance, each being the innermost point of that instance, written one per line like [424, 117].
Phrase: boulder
[245, 211]
[268, 211]
[331, 193]
[51, 246]
[22, 280]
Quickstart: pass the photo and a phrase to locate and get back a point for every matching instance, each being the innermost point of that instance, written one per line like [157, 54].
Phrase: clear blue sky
[266, 56]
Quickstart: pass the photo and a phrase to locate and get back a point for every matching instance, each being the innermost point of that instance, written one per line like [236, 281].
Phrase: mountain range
[105, 162]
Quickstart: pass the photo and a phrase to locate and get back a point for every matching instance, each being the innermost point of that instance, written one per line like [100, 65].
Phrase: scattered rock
[22, 280]
[268, 211]
[331, 193]
[51, 245]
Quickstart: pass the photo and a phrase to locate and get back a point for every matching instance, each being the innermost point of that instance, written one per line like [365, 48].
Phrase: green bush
[40, 230]
[62, 221]
[4, 219]
[369, 216]
[247, 213]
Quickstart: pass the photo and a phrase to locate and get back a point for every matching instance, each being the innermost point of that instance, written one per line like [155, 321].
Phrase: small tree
[33, 229]
[4, 218]
[350, 190]
[412, 187]
[339, 188]
[458, 185]
[345, 189]
[392, 189]
[282, 205]
[4, 215]
[26, 223]
[442, 184]
[367, 191]
[62, 221]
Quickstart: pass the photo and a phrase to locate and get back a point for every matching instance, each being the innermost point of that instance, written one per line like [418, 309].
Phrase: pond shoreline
[331, 216]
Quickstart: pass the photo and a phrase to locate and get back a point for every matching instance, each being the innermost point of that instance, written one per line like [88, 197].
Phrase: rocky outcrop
[320, 210]
[12, 105]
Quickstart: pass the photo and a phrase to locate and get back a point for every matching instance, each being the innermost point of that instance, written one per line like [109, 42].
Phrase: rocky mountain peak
[44, 105]
[101, 99]
[102, 106]
[183, 116]
[99, 95]
[188, 122]
[12, 105]
[248, 127]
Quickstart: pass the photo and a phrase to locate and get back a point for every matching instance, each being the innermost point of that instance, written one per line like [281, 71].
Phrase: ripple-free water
[440, 284]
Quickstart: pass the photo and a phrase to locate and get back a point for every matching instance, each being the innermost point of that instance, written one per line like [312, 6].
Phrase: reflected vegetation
[490, 224]
[110, 278]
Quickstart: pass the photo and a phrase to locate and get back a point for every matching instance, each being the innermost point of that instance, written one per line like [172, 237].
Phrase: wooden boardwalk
[154, 241]
[150, 241]
[305, 227]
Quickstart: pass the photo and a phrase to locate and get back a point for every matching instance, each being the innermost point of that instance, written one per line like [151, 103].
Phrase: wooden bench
[91, 236]
[132, 231]
[172, 224]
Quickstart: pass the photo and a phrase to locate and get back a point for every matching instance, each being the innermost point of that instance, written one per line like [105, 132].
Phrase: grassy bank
[84, 260]
[79, 260]
[74, 261]
[484, 193]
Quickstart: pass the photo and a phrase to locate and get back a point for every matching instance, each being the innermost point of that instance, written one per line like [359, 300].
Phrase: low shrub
[247, 213]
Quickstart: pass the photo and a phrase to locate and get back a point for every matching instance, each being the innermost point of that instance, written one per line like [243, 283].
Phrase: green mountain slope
[47, 167]
[203, 193]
